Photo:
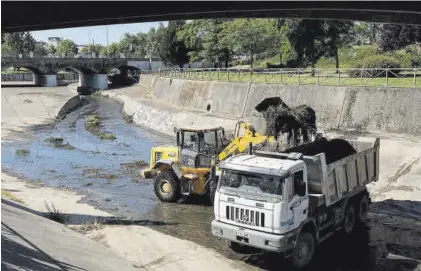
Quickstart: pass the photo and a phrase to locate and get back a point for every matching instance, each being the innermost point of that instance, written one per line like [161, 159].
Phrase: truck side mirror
[301, 189]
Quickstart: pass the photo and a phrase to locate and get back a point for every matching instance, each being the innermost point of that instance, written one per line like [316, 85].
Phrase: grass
[55, 215]
[329, 78]
[88, 226]
[128, 118]
[58, 142]
[22, 152]
[7, 194]
[92, 124]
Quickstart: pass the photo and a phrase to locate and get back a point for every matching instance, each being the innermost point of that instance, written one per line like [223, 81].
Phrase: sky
[97, 34]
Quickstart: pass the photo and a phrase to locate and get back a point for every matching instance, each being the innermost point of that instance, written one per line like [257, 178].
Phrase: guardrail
[399, 77]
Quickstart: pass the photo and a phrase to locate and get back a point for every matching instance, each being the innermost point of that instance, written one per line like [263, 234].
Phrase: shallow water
[94, 167]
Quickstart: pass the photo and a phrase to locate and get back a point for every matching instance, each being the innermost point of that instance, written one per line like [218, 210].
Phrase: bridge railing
[396, 77]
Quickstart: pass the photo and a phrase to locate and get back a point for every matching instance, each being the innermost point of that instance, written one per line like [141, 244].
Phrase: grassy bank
[321, 77]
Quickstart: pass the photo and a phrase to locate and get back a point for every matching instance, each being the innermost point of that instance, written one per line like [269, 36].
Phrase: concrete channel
[106, 174]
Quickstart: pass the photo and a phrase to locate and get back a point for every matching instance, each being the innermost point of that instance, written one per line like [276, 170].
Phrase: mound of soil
[334, 149]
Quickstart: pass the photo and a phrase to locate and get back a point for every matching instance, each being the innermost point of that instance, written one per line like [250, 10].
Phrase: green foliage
[248, 36]
[66, 48]
[52, 49]
[18, 43]
[113, 50]
[93, 48]
[376, 62]
[171, 50]
[133, 45]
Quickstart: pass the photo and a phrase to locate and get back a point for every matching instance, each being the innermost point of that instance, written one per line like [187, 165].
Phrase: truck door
[297, 205]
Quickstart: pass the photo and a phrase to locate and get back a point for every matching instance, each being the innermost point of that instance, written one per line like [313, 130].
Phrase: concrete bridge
[93, 72]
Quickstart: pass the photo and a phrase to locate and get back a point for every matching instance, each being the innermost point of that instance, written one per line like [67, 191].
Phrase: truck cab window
[298, 179]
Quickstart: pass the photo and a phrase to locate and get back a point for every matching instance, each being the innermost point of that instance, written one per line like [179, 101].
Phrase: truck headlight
[217, 231]
[279, 243]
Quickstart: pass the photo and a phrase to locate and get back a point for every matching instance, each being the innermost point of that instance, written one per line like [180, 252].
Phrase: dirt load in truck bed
[334, 149]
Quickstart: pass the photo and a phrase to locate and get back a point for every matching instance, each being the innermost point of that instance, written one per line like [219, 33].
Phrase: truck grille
[245, 216]
[158, 156]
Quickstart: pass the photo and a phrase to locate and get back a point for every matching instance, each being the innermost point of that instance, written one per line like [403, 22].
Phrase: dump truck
[290, 202]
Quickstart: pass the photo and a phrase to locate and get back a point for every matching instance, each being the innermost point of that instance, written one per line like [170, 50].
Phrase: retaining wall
[366, 109]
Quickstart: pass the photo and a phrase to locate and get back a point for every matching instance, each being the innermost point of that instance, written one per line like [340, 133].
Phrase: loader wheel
[166, 186]
[212, 190]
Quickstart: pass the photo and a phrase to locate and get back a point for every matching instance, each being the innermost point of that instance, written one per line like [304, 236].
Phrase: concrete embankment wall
[366, 109]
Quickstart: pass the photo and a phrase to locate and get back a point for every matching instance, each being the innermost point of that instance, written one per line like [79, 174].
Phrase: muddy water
[96, 169]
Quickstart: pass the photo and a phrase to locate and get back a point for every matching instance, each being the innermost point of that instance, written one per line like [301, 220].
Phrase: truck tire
[304, 251]
[166, 186]
[349, 219]
[363, 208]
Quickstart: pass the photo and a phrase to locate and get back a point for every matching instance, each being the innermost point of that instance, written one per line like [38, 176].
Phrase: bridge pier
[45, 80]
[93, 81]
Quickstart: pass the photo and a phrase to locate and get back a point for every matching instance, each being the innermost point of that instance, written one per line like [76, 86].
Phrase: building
[55, 41]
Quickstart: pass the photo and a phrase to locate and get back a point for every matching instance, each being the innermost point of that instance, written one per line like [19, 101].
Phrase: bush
[376, 62]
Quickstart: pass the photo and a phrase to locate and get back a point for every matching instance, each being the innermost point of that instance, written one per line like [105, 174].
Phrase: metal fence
[399, 77]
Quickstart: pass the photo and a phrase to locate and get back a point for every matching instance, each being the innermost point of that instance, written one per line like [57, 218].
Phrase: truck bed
[336, 180]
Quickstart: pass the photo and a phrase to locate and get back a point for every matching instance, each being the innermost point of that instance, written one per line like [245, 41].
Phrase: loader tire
[212, 190]
[167, 186]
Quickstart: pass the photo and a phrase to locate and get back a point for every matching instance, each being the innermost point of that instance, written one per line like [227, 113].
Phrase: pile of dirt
[295, 128]
[334, 149]
[299, 122]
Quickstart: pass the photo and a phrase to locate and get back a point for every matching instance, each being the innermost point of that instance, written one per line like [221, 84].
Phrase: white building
[54, 41]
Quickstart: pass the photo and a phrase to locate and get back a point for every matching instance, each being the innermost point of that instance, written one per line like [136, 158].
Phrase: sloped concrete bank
[364, 109]
[162, 117]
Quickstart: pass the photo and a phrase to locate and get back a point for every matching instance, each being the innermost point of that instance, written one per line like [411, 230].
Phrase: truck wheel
[349, 219]
[363, 210]
[166, 186]
[304, 251]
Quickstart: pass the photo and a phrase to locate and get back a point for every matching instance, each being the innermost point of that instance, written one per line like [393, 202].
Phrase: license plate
[242, 234]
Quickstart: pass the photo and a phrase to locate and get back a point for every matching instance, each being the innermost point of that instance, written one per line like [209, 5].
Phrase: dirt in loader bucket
[294, 129]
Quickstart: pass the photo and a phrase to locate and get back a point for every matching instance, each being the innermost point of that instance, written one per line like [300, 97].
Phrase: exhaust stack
[250, 148]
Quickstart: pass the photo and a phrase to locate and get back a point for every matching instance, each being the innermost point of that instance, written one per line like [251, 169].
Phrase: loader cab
[198, 145]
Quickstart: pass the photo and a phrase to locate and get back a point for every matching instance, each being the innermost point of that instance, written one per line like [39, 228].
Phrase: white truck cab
[288, 203]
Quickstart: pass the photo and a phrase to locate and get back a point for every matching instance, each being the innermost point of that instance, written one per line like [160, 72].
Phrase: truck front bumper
[248, 237]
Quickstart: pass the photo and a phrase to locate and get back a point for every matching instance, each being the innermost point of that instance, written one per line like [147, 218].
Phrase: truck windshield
[244, 181]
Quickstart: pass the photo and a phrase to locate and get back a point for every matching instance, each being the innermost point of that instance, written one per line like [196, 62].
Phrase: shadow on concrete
[340, 252]
[79, 219]
[16, 255]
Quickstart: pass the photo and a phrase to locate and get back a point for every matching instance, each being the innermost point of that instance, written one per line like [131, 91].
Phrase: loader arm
[240, 143]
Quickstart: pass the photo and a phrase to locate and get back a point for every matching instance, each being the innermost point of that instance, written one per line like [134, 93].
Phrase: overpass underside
[20, 16]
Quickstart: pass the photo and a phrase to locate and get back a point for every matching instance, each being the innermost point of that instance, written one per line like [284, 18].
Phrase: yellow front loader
[185, 169]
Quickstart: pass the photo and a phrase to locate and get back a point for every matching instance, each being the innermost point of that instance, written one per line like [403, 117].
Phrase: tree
[133, 45]
[191, 34]
[151, 43]
[40, 49]
[52, 49]
[113, 49]
[335, 33]
[249, 36]
[394, 37]
[18, 43]
[307, 39]
[67, 48]
[170, 49]
[92, 48]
